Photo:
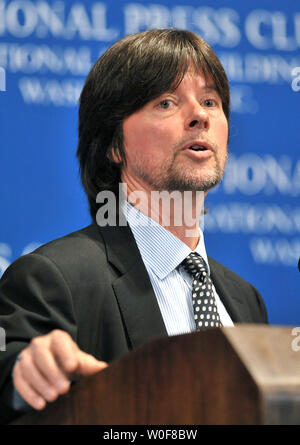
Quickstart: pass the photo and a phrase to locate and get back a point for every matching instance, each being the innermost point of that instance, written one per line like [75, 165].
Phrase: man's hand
[46, 366]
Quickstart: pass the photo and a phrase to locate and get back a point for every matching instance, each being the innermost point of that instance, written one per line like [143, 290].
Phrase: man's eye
[210, 102]
[165, 104]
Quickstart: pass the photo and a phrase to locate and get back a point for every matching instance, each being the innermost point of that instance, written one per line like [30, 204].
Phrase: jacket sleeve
[34, 300]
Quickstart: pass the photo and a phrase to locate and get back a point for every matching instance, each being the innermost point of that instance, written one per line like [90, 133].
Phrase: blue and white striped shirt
[162, 253]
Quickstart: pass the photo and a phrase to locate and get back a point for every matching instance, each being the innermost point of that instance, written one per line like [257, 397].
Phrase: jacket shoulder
[77, 248]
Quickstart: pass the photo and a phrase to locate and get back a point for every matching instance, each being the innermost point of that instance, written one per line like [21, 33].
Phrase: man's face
[177, 141]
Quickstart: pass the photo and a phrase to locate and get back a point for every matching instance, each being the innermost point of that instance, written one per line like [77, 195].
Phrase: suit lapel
[133, 289]
[230, 293]
[135, 295]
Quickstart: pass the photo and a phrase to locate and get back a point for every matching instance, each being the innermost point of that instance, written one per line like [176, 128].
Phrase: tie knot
[195, 265]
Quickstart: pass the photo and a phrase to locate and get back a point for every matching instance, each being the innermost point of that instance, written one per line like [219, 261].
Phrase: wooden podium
[248, 374]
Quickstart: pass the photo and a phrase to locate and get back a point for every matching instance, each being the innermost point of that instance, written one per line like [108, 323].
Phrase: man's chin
[191, 184]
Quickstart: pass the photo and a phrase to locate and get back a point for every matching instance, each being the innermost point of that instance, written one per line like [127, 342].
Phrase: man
[153, 116]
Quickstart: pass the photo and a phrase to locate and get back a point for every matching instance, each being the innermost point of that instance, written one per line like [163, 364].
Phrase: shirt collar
[160, 249]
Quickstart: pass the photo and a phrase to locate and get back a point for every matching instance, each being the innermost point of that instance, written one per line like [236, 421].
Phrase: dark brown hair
[132, 72]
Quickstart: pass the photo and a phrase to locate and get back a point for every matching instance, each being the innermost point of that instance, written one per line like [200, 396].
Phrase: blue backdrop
[46, 50]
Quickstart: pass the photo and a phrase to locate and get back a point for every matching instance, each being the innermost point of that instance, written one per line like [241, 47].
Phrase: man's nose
[197, 117]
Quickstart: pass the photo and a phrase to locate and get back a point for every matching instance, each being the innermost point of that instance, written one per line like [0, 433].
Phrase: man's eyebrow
[211, 86]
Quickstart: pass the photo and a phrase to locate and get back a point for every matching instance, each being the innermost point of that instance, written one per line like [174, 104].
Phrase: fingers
[64, 352]
[37, 375]
[72, 360]
[46, 365]
[43, 371]
[88, 365]
[26, 391]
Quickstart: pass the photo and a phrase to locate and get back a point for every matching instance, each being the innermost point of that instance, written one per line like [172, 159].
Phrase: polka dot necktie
[205, 309]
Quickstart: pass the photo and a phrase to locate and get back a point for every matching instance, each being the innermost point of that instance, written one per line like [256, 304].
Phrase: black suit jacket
[94, 285]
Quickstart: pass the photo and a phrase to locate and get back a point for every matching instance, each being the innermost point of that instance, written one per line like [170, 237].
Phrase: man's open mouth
[197, 148]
